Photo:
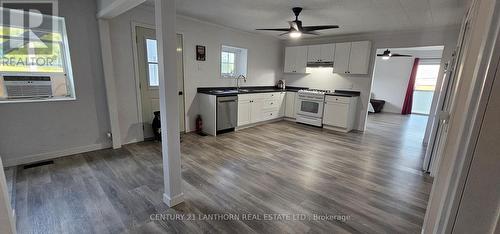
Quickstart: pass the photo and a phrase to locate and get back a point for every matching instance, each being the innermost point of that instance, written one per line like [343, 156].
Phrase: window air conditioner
[28, 86]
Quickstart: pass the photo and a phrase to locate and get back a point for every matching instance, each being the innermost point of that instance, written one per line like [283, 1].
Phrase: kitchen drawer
[271, 103]
[273, 95]
[268, 115]
[246, 97]
[338, 99]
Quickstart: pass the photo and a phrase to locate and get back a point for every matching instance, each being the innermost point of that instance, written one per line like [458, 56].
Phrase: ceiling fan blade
[274, 29]
[310, 33]
[284, 34]
[321, 27]
[400, 55]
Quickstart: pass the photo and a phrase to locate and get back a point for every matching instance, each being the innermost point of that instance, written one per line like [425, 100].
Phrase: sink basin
[225, 91]
[229, 91]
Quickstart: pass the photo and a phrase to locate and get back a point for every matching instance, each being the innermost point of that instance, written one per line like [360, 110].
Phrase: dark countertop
[245, 90]
[217, 91]
[345, 93]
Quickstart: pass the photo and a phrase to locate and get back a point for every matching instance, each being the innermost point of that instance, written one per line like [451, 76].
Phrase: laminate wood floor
[319, 181]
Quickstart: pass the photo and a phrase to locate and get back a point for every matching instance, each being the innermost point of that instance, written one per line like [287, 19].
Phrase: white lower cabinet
[340, 113]
[244, 112]
[254, 108]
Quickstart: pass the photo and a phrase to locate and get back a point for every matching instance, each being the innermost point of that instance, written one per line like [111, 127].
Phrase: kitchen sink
[225, 91]
[229, 91]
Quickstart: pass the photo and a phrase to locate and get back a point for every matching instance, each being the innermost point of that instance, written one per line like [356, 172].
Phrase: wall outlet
[109, 135]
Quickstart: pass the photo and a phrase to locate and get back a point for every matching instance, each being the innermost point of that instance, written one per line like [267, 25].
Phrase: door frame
[448, 196]
[135, 24]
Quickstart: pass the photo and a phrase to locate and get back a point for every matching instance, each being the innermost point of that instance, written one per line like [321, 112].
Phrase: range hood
[320, 64]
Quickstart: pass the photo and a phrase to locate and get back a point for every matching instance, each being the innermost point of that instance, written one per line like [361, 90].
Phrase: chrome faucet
[238, 81]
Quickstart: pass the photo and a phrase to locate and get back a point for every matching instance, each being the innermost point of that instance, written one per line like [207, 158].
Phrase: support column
[165, 14]
[109, 80]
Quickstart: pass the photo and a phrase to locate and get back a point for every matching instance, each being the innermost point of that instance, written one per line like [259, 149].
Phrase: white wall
[40, 130]
[403, 39]
[264, 63]
[390, 80]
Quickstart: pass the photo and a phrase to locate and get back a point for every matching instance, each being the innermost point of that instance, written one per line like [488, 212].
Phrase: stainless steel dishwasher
[227, 113]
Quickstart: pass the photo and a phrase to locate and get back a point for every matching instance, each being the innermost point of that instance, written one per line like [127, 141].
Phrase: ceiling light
[295, 34]
[386, 57]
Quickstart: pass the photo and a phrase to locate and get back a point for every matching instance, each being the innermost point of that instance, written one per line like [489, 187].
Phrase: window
[425, 84]
[227, 63]
[152, 62]
[34, 57]
[233, 62]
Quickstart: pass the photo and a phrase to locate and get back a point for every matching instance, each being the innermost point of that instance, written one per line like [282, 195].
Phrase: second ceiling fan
[388, 54]
[296, 29]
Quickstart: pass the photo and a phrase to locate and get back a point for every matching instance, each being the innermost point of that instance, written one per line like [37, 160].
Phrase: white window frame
[240, 61]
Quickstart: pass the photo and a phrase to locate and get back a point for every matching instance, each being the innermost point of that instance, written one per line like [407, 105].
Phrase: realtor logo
[26, 28]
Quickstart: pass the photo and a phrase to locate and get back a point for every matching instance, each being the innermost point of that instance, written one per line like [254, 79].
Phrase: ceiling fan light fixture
[295, 34]
[386, 57]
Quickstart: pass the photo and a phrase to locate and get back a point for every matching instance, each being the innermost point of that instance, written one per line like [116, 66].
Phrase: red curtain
[407, 104]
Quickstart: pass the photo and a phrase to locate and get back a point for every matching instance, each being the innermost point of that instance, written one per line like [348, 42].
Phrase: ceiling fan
[296, 29]
[387, 55]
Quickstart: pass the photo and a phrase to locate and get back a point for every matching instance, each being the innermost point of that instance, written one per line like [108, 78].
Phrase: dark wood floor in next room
[374, 179]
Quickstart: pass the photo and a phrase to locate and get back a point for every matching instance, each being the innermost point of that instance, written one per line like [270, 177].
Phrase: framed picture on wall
[201, 53]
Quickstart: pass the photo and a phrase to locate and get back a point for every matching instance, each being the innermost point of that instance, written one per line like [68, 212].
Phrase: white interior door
[149, 81]
[446, 98]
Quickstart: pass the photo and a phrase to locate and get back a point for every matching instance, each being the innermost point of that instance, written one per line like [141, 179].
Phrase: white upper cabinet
[320, 53]
[347, 57]
[327, 52]
[352, 57]
[360, 57]
[295, 59]
[341, 62]
[314, 53]
[290, 58]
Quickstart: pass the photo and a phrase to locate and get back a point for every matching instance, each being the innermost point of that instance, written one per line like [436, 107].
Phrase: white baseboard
[51, 155]
[133, 141]
[171, 202]
[336, 129]
[258, 123]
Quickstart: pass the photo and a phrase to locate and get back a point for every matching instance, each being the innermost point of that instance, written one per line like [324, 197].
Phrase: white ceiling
[353, 16]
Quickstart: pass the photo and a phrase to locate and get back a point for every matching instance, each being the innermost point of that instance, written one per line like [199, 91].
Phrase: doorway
[405, 83]
[149, 81]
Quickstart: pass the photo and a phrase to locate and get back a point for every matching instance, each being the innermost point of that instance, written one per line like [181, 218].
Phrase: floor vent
[39, 164]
